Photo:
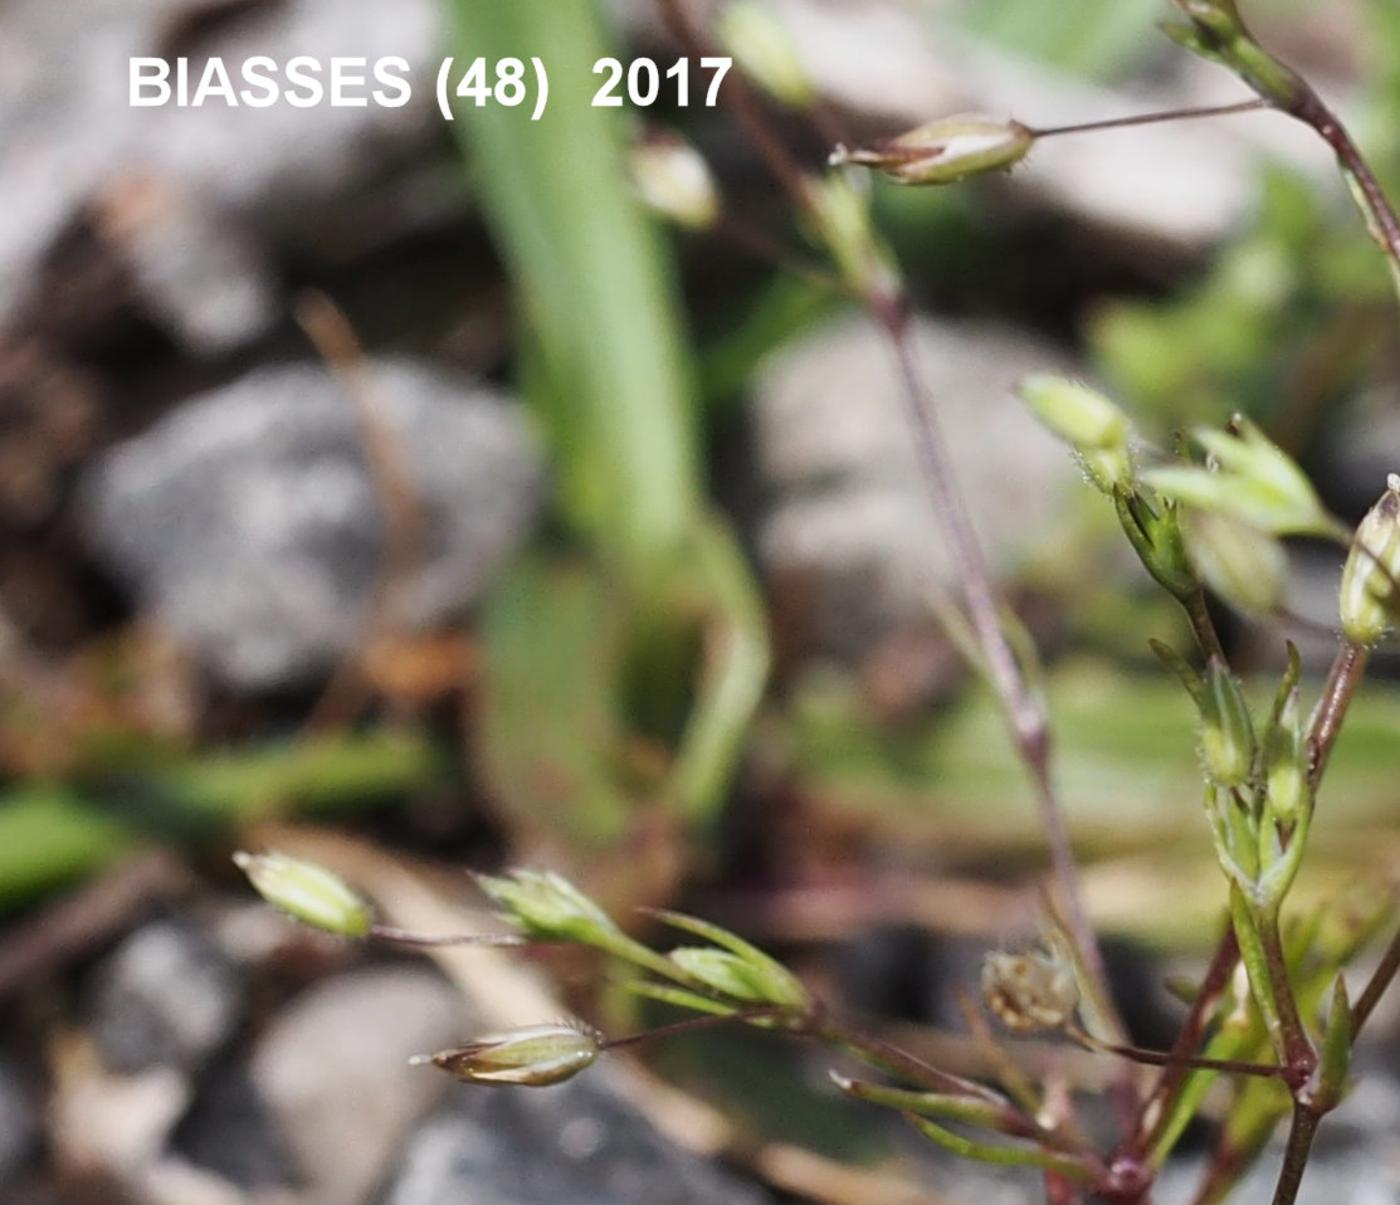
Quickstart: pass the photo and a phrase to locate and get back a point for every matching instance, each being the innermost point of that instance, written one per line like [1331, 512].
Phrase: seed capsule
[535, 1056]
[307, 892]
[946, 151]
[1369, 598]
[1029, 992]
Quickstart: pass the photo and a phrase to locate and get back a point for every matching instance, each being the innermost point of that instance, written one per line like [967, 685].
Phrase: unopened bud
[1369, 599]
[1334, 1065]
[1030, 991]
[763, 48]
[1245, 567]
[1252, 480]
[840, 215]
[734, 968]
[547, 907]
[1219, 18]
[1153, 527]
[1286, 764]
[946, 151]
[1227, 732]
[674, 181]
[535, 1056]
[307, 892]
[1076, 413]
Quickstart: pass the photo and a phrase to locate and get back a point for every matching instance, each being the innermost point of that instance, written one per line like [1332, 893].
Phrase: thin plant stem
[879, 1053]
[1145, 119]
[406, 937]
[1164, 1058]
[1295, 1156]
[1348, 668]
[1202, 625]
[1025, 715]
[1380, 980]
[691, 1025]
[1297, 1046]
[1381, 216]
[1156, 1112]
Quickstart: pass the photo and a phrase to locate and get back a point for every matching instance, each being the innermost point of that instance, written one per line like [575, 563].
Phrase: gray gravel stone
[333, 1072]
[850, 521]
[234, 179]
[249, 520]
[165, 997]
[581, 1143]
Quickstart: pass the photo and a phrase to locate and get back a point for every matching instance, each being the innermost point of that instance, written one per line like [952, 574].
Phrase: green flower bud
[1334, 1066]
[674, 181]
[1227, 732]
[1245, 567]
[1090, 423]
[1156, 536]
[839, 214]
[1217, 18]
[762, 47]
[1253, 481]
[738, 968]
[947, 151]
[307, 892]
[1077, 414]
[1369, 599]
[1286, 765]
[535, 1056]
[721, 972]
[547, 907]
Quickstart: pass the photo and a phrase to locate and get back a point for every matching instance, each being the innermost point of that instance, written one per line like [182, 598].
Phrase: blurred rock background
[294, 552]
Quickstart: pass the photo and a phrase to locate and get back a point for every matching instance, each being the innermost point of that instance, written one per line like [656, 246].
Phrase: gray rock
[230, 1130]
[165, 998]
[250, 522]
[850, 520]
[19, 1125]
[232, 179]
[581, 1143]
[333, 1072]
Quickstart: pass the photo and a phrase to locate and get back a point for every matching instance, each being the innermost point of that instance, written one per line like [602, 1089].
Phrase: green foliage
[657, 639]
[53, 834]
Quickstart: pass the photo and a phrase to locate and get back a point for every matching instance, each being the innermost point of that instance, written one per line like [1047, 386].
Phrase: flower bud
[1219, 18]
[946, 151]
[1245, 567]
[1369, 599]
[1154, 531]
[1286, 765]
[762, 47]
[1334, 1065]
[1251, 479]
[840, 216]
[1029, 992]
[547, 907]
[307, 892]
[1096, 429]
[535, 1056]
[674, 181]
[736, 968]
[1077, 414]
[1227, 733]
